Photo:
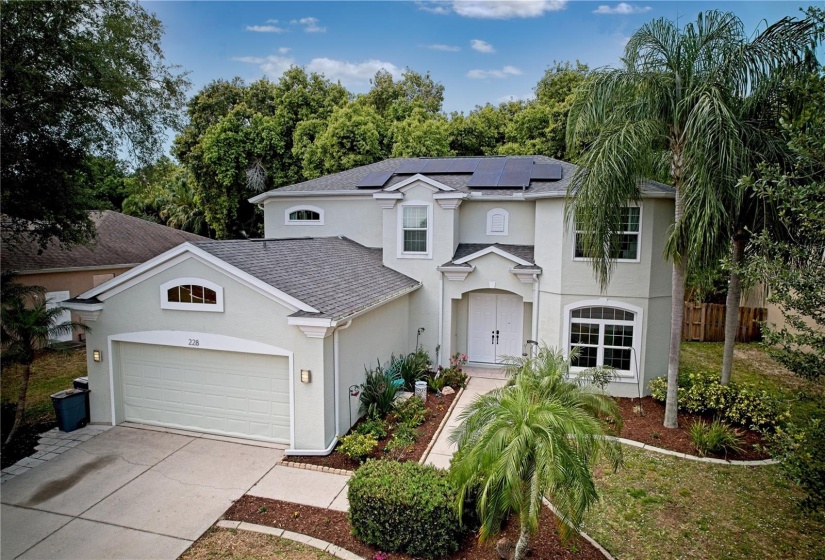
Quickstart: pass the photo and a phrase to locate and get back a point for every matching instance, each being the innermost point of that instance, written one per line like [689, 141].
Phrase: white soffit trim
[416, 178]
[364, 193]
[180, 254]
[497, 251]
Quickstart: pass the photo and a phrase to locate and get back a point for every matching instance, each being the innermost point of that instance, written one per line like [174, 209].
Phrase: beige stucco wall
[356, 217]
[473, 222]
[248, 315]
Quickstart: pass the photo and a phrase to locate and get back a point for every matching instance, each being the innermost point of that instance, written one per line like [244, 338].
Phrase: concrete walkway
[481, 381]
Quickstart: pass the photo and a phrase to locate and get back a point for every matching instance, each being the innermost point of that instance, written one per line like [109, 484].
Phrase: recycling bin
[83, 383]
[71, 409]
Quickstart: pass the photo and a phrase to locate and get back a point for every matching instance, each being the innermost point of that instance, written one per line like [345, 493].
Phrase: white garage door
[226, 393]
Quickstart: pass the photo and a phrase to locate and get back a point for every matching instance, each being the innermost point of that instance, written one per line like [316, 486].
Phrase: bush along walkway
[52, 444]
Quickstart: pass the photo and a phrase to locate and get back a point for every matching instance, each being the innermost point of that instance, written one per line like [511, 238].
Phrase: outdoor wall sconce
[306, 376]
[96, 355]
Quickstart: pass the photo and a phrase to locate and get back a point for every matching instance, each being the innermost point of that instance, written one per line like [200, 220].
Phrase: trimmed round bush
[404, 507]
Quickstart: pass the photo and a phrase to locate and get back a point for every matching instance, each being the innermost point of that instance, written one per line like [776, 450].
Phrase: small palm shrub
[404, 507]
[714, 438]
[357, 446]
[379, 390]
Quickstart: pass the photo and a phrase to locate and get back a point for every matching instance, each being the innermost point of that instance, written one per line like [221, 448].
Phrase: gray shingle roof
[335, 275]
[347, 180]
[524, 252]
[121, 240]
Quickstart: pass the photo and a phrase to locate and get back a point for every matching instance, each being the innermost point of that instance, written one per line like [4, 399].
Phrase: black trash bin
[83, 383]
[70, 409]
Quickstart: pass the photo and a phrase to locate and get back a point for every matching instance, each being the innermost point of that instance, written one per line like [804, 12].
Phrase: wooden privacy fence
[705, 322]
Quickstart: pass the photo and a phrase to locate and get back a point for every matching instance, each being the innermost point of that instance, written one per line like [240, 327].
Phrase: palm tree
[672, 110]
[25, 329]
[537, 437]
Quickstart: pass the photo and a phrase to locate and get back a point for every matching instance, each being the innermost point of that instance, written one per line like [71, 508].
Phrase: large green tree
[671, 109]
[78, 79]
[538, 437]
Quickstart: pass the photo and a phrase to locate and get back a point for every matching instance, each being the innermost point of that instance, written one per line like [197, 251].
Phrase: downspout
[337, 375]
[536, 308]
[440, 320]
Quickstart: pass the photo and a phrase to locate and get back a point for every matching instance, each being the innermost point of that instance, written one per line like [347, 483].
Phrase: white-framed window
[415, 231]
[628, 238]
[605, 333]
[304, 216]
[191, 294]
[498, 222]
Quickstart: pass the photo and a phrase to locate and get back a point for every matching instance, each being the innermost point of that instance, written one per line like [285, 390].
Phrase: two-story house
[265, 338]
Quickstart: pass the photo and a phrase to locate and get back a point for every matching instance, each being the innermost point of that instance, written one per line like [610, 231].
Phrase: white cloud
[445, 48]
[482, 46]
[265, 28]
[435, 7]
[349, 73]
[310, 25]
[272, 21]
[284, 50]
[499, 74]
[273, 66]
[622, 9]
[506, 9]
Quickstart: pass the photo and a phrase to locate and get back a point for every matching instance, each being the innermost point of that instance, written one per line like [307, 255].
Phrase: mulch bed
[333, 526]
[648, 428]
[437, 408]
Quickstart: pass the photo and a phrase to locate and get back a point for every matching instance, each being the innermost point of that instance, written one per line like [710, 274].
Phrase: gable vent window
[498, 221]
[191, 294]
[304, 216]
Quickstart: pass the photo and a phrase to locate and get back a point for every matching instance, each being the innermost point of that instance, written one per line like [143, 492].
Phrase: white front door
[53, 300]
[495, 327]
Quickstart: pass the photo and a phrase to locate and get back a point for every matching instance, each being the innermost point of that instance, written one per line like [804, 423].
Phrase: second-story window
[415, 229]
[626, 247]
[304, 216]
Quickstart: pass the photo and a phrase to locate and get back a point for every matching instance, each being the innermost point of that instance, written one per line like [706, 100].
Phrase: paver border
[712, 460]
[325, 546]
[441, 426]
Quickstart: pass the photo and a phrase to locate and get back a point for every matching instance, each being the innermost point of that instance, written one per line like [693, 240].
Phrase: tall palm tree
[672, 111]
[28, 324]
[538, 436]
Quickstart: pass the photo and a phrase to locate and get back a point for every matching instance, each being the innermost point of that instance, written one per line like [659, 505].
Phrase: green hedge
[404, 507]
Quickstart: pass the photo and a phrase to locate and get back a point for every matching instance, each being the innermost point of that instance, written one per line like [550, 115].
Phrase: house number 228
[194, 342]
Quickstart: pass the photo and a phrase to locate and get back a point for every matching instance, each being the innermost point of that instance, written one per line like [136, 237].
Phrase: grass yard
[752, 365]
[230, 544]
[51, 372]
[663, 507]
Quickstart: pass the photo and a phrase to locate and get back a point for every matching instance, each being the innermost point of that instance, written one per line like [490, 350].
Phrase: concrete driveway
[127, 493]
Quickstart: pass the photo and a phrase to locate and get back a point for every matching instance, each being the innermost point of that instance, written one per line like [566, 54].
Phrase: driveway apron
[127, 493]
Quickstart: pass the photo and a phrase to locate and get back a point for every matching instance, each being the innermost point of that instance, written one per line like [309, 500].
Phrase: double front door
[495, 327]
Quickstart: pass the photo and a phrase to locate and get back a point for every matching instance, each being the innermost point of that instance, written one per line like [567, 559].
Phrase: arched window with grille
[304, 216]
[191, 294]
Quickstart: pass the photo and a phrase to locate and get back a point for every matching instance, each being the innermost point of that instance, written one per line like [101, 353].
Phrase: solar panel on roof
[374, 179]
[516, 178]
[411, 167]
[491, 164]
[463, 165]
[546, 171]
[518, 164]
[484, 179]
[437, 165]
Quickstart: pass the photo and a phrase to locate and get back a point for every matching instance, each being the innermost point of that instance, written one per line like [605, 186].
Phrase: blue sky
[482, 51]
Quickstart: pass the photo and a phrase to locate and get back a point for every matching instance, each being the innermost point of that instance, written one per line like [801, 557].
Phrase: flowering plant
[380, 556]
[458, 359]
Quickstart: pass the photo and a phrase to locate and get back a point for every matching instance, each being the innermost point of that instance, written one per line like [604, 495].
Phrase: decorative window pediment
[191, 294]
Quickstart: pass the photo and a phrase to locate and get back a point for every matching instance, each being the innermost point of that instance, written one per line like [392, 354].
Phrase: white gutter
[75, 268]
[313, 452]
[536, 291]
[286, 194]
[337, 376]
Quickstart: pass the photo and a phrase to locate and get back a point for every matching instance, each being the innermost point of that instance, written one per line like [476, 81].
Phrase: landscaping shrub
[379, 390]
[455, 377]
[438, 381]
[412, 411]
[357, 446]
[402, 440]
[415, 366]
[715, 438]
[404, 507]
[703, 392]
[801, 452]
[374, 427]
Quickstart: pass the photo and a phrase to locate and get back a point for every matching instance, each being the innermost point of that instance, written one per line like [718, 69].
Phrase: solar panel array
[491, 172]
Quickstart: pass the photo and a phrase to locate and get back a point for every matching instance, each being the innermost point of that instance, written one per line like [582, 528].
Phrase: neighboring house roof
[121, 240]
[334, 275]
[348, 180]
[520, 253]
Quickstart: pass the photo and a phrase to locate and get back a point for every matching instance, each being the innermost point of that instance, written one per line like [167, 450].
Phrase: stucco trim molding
[313, 327]
[86, 311]
[449, 201]
[456, 273]
[526, 275]
[387, 200]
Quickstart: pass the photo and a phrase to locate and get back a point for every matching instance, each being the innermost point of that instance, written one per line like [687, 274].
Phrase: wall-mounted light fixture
[306, 376]
[97, 355]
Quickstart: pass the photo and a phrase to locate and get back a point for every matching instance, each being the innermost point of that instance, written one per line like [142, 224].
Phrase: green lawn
[660, 507]
[51, 372]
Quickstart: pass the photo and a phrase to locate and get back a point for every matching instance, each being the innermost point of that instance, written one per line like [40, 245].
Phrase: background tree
[421, 135]
[673, 104]
[79, 79]
[538, 436]
[28, 325]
